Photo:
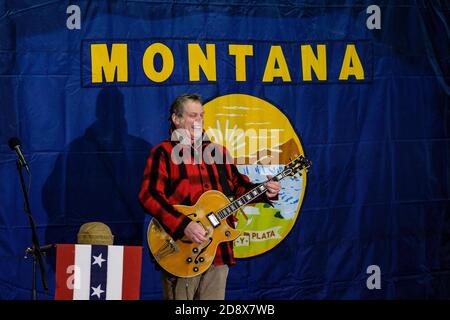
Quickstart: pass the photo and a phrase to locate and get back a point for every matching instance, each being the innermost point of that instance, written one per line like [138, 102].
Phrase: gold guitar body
[182, 257]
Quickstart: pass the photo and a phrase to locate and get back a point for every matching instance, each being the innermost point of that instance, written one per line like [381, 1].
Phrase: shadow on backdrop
[97, 178]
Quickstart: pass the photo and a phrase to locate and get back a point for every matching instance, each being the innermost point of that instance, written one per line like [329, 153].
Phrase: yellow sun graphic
[253, 130]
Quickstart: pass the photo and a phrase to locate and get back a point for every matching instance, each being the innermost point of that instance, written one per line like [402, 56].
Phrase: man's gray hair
[177, 106]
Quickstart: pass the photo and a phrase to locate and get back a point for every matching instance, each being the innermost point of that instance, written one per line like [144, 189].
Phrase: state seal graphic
[261, 141]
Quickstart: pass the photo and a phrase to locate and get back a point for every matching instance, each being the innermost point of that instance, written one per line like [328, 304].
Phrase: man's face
[191, 119]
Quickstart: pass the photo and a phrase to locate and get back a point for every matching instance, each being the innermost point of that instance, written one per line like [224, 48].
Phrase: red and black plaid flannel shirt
[166, 183]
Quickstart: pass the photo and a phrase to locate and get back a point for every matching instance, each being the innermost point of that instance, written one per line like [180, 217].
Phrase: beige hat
[95, 233]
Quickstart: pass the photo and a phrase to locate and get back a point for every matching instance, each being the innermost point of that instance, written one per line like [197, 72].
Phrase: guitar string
[222, 213]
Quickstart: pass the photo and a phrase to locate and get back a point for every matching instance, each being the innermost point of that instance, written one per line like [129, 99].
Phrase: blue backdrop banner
[362, 88]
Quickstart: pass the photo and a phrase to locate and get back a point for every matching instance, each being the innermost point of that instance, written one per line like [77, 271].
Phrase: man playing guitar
[168, 182]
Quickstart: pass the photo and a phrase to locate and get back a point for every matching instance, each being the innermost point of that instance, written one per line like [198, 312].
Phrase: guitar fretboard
[248, 197]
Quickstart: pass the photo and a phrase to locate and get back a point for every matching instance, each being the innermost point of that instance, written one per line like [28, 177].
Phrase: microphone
[14, 144]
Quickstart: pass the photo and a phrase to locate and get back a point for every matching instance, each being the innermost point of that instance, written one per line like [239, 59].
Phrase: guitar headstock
[297, 164]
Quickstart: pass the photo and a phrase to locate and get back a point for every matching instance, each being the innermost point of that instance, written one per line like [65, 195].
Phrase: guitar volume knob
[189, 260]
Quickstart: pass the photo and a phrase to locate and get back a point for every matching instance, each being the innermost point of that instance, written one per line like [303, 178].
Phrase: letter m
[109, 64]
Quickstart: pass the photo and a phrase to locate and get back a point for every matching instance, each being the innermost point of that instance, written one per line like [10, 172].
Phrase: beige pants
[209, 285]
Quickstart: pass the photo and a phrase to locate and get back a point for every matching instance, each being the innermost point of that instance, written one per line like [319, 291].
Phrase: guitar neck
[249, 196]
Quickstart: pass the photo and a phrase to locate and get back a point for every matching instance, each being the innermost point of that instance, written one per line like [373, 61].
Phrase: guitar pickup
[213, 219]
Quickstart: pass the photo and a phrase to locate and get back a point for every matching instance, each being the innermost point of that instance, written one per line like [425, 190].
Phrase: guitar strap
[226, 187]
[223, 181]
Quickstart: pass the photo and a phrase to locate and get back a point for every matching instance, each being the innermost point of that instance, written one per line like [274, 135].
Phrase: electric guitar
[184, 258]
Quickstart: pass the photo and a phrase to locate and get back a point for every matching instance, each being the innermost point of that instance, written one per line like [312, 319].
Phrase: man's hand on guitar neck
[273, 187]
[195, 232]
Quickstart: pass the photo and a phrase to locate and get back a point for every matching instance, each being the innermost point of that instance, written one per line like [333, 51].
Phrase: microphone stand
[35, 250]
